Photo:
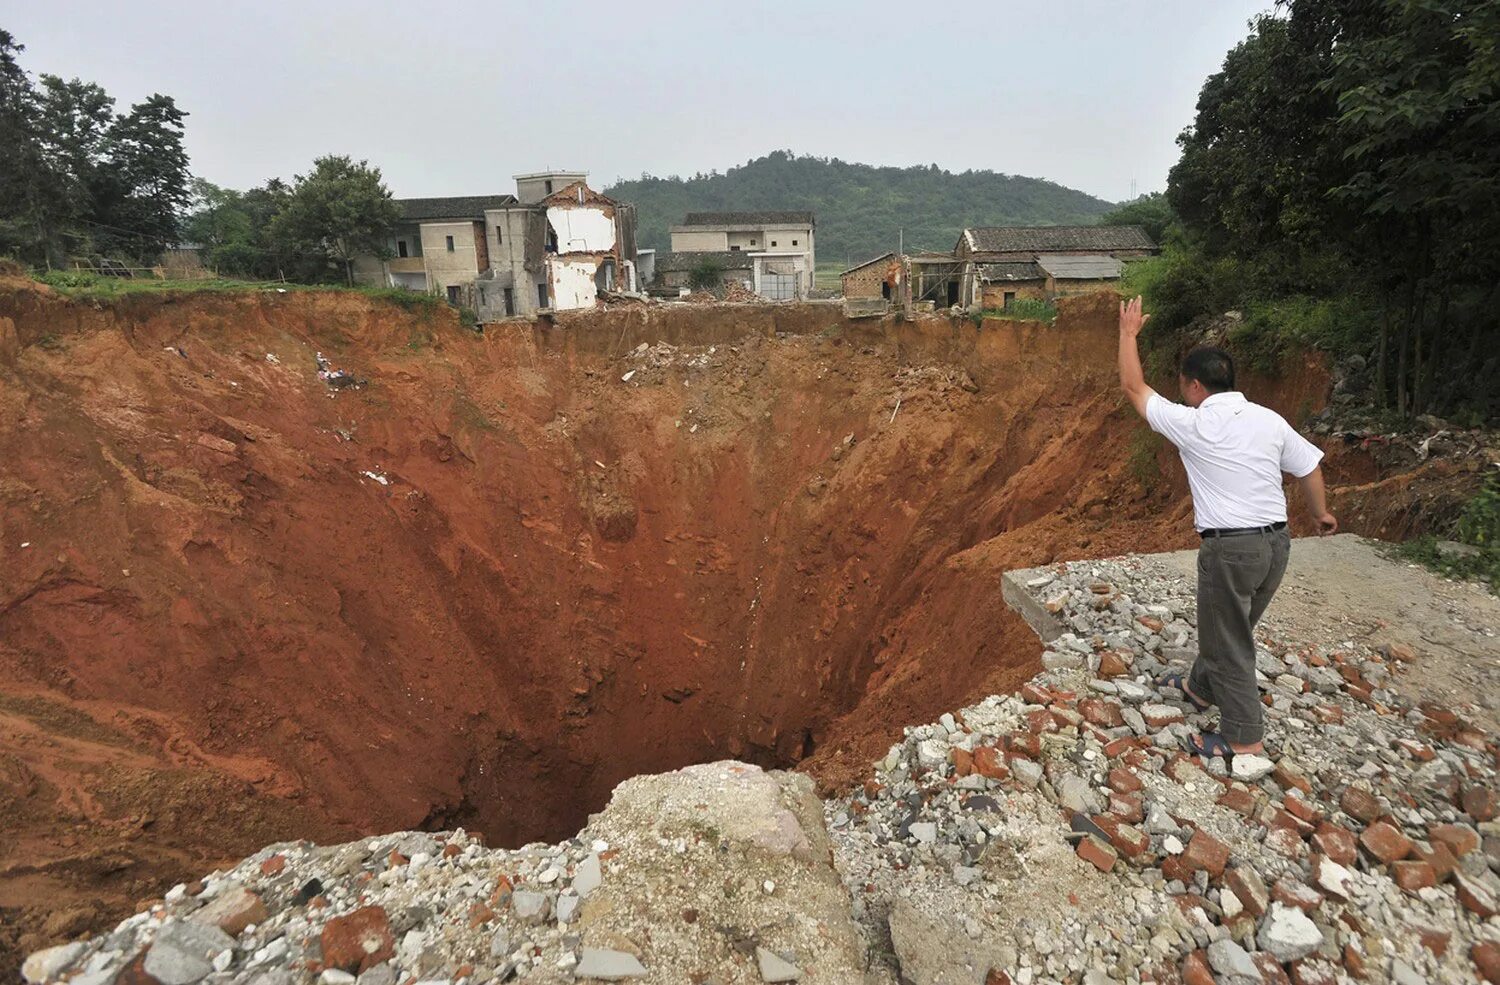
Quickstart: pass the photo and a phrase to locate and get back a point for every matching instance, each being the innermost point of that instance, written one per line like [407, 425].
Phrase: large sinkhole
[517, 567]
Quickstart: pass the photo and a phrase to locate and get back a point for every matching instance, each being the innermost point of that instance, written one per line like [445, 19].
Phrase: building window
[1009, 297]
[794, 242]
[752, 242]
[499, 237]
[453, 292]
[736, 249]
[549, 186]
[510, 301]
[541, 295]
[401, 247]
[450, 243]
[773, 242]
[551, 244]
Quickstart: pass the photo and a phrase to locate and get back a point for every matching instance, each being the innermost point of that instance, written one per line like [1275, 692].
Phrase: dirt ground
[1348, 588]
[239, 605]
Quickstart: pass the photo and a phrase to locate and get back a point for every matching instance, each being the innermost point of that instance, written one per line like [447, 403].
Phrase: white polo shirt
[1234, 452]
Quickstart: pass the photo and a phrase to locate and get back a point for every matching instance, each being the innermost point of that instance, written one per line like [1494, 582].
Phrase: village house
[1008, 263]
[876, 278]
[553, 246]
[776, 248]
[679, 273]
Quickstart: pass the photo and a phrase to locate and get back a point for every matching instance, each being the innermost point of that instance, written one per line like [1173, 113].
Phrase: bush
[1478, 529]
[1024, 309]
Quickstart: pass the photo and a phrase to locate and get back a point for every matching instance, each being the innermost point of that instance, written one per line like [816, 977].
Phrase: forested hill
[860, 208]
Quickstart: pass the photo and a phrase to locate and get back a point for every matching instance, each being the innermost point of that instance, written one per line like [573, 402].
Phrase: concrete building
[675, 273]
[555, 248]
[780, 247]
[552, 246]
[437, 247]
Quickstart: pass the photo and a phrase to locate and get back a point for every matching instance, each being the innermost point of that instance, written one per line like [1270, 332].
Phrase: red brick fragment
[1206, 852]
[1360, 804]
[1290, 892]
[1460, 838]
[1196, 970]
[1434, 939]
[1339, 844]
[273, 866]
[359, 941]
[1124, 781]
[1111, 664]
[1250, 888]
[987, 763]
[1474, 895]
[1271, 972]
[1098, 711]
[1383, 841]
[1486, 958]
[1238, 799]
[1314, 971]
[1091, 849]
[1285, 842]
[1412, 876]
[1481, 803]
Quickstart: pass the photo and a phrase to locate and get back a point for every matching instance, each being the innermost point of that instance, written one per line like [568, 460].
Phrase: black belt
[1269, 528]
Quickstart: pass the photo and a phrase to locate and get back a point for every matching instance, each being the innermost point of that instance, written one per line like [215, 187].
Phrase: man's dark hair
[1212, 367]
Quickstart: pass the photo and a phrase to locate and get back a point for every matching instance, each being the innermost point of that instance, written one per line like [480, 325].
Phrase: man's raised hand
[1131, 318]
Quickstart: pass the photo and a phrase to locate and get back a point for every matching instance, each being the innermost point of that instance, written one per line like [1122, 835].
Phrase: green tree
[1151, 212]
[32, 195]
[74, 124]
[142, 189]
[338, 211]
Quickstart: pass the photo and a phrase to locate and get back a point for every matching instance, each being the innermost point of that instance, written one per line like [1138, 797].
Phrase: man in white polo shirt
[1234, 452]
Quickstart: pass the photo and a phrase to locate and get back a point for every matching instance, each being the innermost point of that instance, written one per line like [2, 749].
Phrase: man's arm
[1132, 377]
[1317, 505]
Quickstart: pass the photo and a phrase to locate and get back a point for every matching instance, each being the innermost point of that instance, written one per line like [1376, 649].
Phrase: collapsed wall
[500, 573]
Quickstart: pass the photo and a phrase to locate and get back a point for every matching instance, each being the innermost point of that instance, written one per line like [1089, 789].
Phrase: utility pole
[901, 241]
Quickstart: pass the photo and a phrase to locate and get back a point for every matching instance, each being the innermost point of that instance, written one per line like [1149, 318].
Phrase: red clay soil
[220, 628]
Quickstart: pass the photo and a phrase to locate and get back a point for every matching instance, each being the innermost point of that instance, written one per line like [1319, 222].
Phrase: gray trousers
[1236, 578]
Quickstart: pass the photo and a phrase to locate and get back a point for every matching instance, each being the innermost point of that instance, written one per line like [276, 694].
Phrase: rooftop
[562, 172]
[800, 218]
[456, 207]
[727, 259]
[1049, 239]
[861, 266]
[1076, 267]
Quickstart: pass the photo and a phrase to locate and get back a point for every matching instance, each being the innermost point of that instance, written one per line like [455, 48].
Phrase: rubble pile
[1059, 834]
[1362, 846]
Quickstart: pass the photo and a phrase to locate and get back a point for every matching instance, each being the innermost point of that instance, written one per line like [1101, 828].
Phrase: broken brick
[1128, 807]
[1124, 781]
[1481, 803]
[1339, 844]
[1098, 711]
[273, 866]
[1091, 849]
[1303, 810]
[1486, 958]
[1160, 716]
[987, 763]
[1196, 971]
[1474, 895]
[1434, 939]
[1314, 971]
[1112, 664]
[1412, 876]
[1360, 804]
[1250, 888]
[1384, 842]
[359, 941]
[1271, 972]
[1460, 838]
[1437, 855]
[1290, 892]
[1207, 853]
[1238, 799]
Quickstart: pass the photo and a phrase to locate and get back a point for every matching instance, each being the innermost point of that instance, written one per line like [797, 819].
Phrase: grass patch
[1024, 309]
[1476, 533]
[85, 286]
[1142, 461]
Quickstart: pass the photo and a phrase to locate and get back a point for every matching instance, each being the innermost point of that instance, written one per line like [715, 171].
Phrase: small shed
[876, 278]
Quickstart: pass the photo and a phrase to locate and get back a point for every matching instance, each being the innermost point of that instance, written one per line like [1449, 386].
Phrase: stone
[232, 911]
[1289, 934]
[48, 964]
[1075, 794]
[774, 968]
[607, 965]
[1331, 877]
[1027, 773]
[932, 753]
[923, 832]
[1270, 969]
[587, 876]
[1232, 964]
[184, 952]
[530, 907]
[1314, 971]
[1250, 767]
[1384, 842]
[567, 906]
[359, 941]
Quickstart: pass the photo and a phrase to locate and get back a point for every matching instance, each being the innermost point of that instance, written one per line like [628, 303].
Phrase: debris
[377, 477]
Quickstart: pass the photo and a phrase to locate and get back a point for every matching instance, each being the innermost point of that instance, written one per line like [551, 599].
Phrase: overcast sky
[454, 98]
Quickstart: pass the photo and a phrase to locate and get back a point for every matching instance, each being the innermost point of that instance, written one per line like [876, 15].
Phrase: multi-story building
[550, 247]
[778, 245]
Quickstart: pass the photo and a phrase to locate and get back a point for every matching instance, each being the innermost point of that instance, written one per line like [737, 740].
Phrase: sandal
[1211, 744]
[1178, 680]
